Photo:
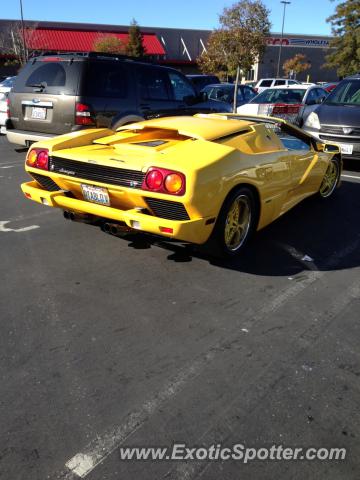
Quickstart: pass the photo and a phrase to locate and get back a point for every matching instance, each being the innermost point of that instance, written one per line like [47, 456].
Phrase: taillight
[173, 182]
[154, 180]
[83, 115]
[164, 181]
[285, 108]
[38, 158]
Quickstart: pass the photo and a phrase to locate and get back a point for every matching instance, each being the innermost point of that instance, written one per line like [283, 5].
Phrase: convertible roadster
[209, 179]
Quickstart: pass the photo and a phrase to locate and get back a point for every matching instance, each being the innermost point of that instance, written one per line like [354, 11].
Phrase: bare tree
[12, 44]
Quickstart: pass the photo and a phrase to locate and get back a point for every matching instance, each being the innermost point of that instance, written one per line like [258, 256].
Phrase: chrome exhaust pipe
[115, 229]
[80, 217]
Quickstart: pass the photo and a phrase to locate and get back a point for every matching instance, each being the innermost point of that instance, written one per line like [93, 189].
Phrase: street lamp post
[23, 32]
[282, 34]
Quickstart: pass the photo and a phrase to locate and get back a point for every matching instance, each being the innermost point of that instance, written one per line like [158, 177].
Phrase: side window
[51, 74]
[240, 95]
[152, 84]
[321, 94]
[312, 97]
[279, 82]
[265, 83]
[218, 94]
[180, 86]
[292, 141]
[291, 82]
[248, 93]
[106, 79]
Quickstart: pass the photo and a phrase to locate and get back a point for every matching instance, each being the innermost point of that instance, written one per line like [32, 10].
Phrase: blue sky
[302, 16]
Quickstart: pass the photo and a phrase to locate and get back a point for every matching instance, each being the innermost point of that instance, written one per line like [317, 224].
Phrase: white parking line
[100, 448]
[351, 176]
[93, 454]
[18, 230]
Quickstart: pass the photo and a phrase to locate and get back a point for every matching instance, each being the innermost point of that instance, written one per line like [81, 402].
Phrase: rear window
[42, 76]
[272, 95]
[49, 74]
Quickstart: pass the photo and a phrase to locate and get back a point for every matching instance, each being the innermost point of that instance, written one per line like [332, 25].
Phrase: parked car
[5, 87]
[250, 83]
[55, 94]
[329, 87]
[273, 82]
[293, 103]
[204, 179]
[200, 81]
[337, 119]
[224, 92]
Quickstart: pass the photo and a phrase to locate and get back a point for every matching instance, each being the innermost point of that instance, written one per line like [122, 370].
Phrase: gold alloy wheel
[237, 223]
[330, 179]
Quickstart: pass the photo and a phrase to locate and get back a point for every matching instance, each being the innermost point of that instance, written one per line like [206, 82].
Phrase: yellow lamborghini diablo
[213, 178]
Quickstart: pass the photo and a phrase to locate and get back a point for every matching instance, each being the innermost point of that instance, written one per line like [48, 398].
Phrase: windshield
[347, 93]
[280, 95]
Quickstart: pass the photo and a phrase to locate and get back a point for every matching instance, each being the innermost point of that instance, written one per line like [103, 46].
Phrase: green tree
[297, 64]
[345, 27]
[135, 47]
[109, 44]
[239, 41]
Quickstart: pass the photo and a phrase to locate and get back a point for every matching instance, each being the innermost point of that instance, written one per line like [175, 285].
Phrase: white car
[273, 82]
[292, 103]
[5, 87]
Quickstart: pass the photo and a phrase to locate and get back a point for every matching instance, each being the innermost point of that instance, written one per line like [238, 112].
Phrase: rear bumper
[193, 231]
[23, 137]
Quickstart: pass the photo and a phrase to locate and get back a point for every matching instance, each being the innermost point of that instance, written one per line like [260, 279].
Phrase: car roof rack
[98, 55]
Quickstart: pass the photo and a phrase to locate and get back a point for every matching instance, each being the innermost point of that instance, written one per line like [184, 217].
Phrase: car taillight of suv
[83, 114]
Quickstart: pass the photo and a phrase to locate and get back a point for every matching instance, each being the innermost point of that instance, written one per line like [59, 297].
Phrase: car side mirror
[327, 147]
[204, 97]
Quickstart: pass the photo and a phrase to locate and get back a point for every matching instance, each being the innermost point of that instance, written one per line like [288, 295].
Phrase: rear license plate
[346, 149]
[39, 113]
[96, 194]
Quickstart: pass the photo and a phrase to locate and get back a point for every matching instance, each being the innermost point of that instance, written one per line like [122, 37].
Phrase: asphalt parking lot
[109, 342]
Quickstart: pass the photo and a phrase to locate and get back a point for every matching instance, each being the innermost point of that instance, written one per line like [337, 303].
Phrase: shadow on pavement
[319, 229]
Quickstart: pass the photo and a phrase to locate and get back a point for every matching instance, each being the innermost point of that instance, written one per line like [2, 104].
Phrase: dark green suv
[56, 94]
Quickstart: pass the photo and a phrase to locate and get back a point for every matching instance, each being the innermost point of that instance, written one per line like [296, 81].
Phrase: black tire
[220, 246]
[331, 179]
